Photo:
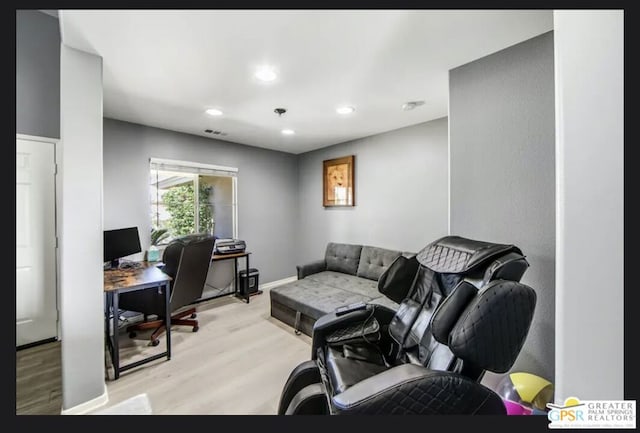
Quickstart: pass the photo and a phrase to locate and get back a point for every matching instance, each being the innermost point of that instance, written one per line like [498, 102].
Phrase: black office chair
[187, 261]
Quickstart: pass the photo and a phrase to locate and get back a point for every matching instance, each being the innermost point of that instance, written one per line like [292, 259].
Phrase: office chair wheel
[194, 315]
[132, 334]
[195, 328]
[154, 342]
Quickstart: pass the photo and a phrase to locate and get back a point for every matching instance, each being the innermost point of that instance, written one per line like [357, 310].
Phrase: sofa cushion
[343, 257]
[312, 298]
[374, 261]
[350, 283]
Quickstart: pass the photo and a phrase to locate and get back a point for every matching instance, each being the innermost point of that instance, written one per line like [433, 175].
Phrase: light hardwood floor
[237, 363]
[39, 380]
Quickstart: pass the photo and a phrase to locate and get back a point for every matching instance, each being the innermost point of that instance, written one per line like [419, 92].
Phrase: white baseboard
[277, 283]
[88, 406]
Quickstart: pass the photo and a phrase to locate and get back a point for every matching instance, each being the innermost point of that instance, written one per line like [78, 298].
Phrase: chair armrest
[328, 323]
[413, 389]
[311, 268]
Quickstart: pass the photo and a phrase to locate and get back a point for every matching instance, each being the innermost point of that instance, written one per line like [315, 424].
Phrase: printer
[229, 246]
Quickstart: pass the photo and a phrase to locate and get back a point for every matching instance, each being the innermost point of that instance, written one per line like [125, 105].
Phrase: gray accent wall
[400, 192]
[267, 188]
[37, 74]
[502, 145]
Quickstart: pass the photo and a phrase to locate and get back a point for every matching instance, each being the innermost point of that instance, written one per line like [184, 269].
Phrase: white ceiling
[163, 68]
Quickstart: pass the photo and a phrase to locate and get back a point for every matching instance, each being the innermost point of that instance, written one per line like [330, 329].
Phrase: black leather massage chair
[464, 312]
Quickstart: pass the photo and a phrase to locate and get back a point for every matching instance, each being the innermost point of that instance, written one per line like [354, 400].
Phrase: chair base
[158, 325]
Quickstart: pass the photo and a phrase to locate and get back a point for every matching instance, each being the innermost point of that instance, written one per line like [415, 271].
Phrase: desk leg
[107, 324]
[235, 277]
[107, 303]
[248, 297]
[116, 333]
[167, 319]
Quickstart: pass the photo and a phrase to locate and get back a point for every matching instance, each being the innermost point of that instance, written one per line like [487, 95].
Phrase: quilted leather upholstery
[428, 393]
[493, 328]
[438, 257]
[483, 328]
[410, 328]
[453, 254]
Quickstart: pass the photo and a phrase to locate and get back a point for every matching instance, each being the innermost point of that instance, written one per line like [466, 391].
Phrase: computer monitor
[120, 243]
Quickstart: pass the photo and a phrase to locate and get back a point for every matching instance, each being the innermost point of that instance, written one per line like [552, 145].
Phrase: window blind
[192, 168]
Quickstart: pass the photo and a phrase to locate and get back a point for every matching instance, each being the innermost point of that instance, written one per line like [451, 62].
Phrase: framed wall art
[337, 182]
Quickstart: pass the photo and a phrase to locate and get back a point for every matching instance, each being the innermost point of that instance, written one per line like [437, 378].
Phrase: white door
[36, 311]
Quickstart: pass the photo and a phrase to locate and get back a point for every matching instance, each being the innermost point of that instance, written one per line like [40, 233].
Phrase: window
[188, 197]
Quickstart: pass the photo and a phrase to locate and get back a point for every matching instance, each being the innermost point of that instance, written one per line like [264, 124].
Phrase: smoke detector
[408, 106]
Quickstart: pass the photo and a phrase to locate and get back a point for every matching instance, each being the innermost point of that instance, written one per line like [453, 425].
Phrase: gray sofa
[347, 274]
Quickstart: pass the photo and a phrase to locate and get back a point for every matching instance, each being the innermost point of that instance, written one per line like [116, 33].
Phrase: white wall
[80, 225]
[589, 79]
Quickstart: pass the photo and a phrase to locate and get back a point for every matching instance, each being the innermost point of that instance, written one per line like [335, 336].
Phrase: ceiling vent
[211, 131]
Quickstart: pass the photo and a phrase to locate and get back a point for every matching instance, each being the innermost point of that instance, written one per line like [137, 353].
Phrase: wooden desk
[118, 281]
[236, 280]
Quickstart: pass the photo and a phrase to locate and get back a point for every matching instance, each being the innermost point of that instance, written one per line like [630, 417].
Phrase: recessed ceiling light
[345, 110]
[407, 106]
[213, 112]
[288, 132]
[266, 73]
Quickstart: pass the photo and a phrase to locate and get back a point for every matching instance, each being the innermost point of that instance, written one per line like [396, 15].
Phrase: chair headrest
[171, 254]
[492, 326]
[455, 254]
